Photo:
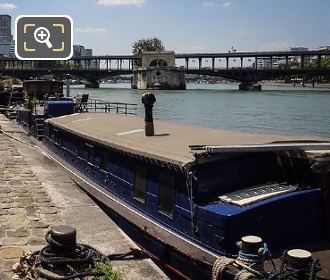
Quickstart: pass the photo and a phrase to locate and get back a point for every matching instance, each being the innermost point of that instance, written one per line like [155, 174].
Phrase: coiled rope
[59, 261]
[219, 266]
[250, 265]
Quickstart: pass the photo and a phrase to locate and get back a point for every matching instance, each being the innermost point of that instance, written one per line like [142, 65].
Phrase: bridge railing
[95, 105]
[250, 68]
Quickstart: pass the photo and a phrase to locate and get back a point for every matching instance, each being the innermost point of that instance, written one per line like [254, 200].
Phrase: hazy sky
[110, 26]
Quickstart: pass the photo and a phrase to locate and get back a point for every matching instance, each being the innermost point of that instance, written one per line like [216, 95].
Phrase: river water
[276, 109]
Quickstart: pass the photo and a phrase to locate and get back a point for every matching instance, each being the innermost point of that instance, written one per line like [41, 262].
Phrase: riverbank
[297, 85]
[36, 194]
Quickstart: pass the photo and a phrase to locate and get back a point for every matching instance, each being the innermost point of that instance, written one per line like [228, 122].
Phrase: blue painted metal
[285, 220]
[59, 108]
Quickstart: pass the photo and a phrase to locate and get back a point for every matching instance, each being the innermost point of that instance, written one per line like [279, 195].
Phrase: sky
[111, 26]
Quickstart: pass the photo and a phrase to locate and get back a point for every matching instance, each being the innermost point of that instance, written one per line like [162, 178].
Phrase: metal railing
[95, 105]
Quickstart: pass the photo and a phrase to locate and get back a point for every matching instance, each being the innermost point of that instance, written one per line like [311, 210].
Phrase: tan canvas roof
[170, 143]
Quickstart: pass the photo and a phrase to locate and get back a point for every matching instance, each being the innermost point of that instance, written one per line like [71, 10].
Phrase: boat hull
[187, 238]
[181, 256]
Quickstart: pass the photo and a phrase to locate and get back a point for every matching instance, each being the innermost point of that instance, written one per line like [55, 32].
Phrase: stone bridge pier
[94, 83]
[158, 71]
[249, 86]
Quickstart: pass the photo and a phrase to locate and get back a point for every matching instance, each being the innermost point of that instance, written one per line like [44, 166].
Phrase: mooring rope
[250, 265]
[189, 186]
[219, 267]
[65, 261]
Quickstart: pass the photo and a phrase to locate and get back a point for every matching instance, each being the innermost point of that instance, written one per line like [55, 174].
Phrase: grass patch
[108, 273]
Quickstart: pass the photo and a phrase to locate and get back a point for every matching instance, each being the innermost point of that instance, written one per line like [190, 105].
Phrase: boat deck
[170, 142]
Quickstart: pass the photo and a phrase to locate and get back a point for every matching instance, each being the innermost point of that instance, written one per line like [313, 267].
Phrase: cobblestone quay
[35, 194]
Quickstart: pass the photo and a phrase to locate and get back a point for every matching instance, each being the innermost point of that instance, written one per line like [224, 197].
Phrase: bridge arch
[158, 62]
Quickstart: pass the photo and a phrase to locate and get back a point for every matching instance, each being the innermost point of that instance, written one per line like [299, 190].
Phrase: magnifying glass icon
[42, 35]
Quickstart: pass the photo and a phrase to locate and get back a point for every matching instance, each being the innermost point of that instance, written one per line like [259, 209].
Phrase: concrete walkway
[36, 194]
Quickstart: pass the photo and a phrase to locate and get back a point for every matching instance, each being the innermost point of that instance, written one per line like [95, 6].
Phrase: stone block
[20, 232]
[11, 253]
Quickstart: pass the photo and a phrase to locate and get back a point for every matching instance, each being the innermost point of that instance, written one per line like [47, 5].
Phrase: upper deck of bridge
[202, 55]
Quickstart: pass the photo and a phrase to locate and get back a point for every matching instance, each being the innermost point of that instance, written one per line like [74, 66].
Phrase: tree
[324, 62]
[147, 45]
[45, 64]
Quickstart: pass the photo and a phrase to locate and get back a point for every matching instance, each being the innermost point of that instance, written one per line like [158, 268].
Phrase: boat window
[166, 193]
[58, 137]
[80, 151]
[90, 153]
[104, 162]
[53, 134]
[139, 191]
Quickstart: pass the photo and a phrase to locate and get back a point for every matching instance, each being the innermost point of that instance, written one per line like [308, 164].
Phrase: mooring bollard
[252, 251]
[249, 264]
[148, 100]
[62, 239]
[250, 244]
[299, 259]
[299, 264]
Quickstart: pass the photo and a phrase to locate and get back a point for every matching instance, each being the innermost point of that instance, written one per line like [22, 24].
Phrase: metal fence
[95, 105]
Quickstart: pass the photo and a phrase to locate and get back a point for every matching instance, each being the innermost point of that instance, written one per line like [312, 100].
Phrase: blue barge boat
[186, 200]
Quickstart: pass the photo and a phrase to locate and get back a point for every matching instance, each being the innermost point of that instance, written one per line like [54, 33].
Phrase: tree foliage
[147, 45]
[324, 62]
[45, 64]
[312, 63]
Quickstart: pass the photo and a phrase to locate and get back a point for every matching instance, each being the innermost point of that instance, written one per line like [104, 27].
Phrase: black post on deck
[148, 100]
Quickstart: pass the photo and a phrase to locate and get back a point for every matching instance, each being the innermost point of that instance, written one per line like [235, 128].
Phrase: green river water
[276, 109]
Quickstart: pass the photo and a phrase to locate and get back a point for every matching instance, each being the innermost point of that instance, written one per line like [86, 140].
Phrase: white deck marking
[130, 132]
[64, 116]
[81, 120]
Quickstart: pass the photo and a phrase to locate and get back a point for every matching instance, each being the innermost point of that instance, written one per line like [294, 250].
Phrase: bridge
[248, 67]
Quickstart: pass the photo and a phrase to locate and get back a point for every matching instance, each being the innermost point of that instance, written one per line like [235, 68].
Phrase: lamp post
[68, 80]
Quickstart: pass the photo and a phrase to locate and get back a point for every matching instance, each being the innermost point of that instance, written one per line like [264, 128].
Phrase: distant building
[78, 50]
[5, 29]
[298, 59]
[5, 49]
[266, 63]
[7, 45]
[88, 52]
[12, 49]
[323, 48]
[81, 51]
[298, 49]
